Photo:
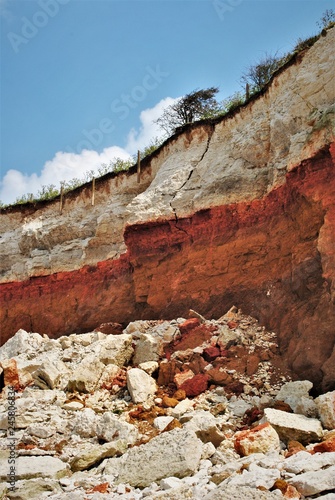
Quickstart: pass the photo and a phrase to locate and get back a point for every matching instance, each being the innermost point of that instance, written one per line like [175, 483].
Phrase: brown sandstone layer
[273, 257]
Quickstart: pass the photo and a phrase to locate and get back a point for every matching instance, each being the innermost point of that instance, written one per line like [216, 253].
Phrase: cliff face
[238, 212]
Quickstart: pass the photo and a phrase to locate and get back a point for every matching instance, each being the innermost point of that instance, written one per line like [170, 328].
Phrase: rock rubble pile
[179, 409]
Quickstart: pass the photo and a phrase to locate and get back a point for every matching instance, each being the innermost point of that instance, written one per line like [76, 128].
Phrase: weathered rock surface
[249, 197]
[110, 428]
[34, 488]
[176, 453]
[140, 385]
[292, 427]
[34, 467]
[326, 408]
[260, 439]
[311, 483]
[95, 453]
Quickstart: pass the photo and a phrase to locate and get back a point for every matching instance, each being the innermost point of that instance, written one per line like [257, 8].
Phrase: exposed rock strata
[238, 211]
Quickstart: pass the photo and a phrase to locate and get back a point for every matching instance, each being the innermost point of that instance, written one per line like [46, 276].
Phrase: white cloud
[138, 139]
[66, 166]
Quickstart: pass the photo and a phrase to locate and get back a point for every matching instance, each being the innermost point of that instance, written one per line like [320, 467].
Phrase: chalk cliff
[235, 211]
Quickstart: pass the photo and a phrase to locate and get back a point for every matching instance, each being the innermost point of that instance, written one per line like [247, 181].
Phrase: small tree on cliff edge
[259, 74]
[189, 108]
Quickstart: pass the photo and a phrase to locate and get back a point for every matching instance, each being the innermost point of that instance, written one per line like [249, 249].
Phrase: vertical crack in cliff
[211, 128]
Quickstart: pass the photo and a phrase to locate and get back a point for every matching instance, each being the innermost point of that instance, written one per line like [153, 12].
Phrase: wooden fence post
[93, 191]
[138, 167]
[61, 197]
[247, 91]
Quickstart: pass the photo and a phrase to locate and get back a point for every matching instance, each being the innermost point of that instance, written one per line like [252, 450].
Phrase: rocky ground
[180, 409]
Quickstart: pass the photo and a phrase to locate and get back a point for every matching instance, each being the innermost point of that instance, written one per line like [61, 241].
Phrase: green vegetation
[197, 105]
[258, 75]
[232, 102]
[51, 192]
[327, 20]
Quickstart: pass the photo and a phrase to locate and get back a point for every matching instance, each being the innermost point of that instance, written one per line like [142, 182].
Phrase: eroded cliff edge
[234, 211]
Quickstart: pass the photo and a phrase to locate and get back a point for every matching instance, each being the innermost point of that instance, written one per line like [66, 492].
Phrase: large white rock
[110, 372]
[114, 349]
[226, 335]
[42, 430]
[161, 423]
[204, 424]
[85, 423]
[260, 439]
[111, 428]
[140, 385]
[181, 408]
[34, 489]
[92, 454]
[326, 408]
[313, 482]
[86, 375]
[254, 477]
[297, 389]
[291, 427]
[21, 343]
[148, 348]
[176, 453]
[305, 462]
[149, 366]
[296, 394]
[30, 467]
[50, 375]
[224, 492]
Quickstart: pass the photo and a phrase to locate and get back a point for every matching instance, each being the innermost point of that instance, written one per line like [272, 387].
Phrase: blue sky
[83, 80]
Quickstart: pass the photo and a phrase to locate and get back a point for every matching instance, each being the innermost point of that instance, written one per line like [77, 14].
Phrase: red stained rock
[196, 385]
[100, 488]
[211, 353]
[196, 363]
[224, 353]
[233, 324]
[260, 439]
[11, 374]
[110, 328]
[189, 325]
[219, 377]
[294, 447]
[252, 364]
[167, 371]
[169, 402]
[182, 377]
[326, 446]
[252, 415]
[237, 351]
[180, 394]
[287, 490]
[192, 338]
[235, 387]
[281, 405]
[238, 364]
